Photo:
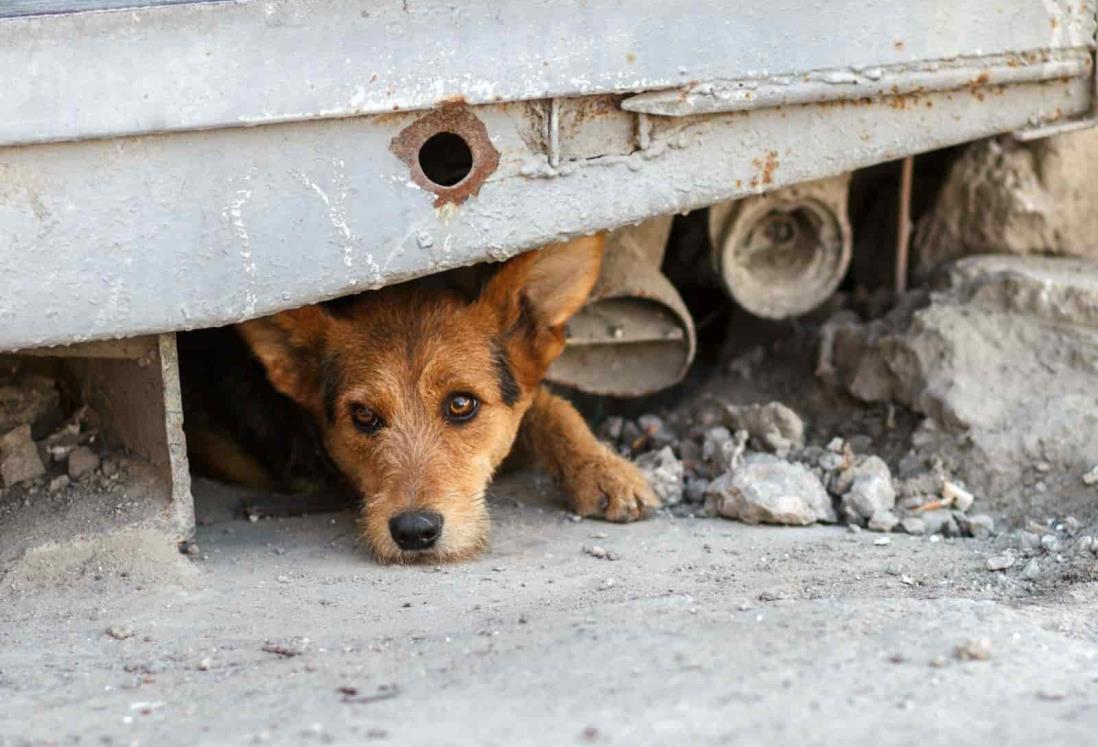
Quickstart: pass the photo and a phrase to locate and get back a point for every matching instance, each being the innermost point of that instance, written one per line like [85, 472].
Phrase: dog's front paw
[608, 487]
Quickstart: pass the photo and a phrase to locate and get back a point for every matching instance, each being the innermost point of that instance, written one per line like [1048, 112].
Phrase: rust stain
[458, 121]
[630, 57]
[898, 45]
[450, 101]
[765, 167]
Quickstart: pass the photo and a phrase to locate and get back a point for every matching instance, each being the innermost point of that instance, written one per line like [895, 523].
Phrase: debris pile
[40, 448]
[751, 463]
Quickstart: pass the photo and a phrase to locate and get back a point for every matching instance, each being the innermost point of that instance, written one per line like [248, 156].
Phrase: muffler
[635, 335]
[784, 253]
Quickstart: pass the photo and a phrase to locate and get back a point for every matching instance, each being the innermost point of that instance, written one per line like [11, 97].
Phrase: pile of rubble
[751, 463]
[40, 448]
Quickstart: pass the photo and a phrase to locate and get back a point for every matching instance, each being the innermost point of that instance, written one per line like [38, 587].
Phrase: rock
[883, 521]
[655, 431]
[1091, 477]
[119, 632]
[992, 357]
[870, 491]
[974, 650]
[611, 429]
[773, 426]
[979, 526]
[957, 496]
[19, 459]
[1003, 196]
[938, 521]
[664, 473]
[717, 448]
[1031, 570]
[913, 525]
[59, 483]
[596, 551]
[82, 461]
[1086, 543]
[1028, 540]
[695, 490]
[1051, 544]
[32, 401]
[1000, 562]
[770, 490]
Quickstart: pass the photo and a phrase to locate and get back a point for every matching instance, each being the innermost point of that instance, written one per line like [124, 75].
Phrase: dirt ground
[282, 631]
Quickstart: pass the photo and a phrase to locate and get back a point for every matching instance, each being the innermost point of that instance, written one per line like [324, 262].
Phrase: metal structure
[186, 164]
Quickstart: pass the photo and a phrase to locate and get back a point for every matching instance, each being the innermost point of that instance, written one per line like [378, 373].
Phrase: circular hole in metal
[446, 159]
[783, 247]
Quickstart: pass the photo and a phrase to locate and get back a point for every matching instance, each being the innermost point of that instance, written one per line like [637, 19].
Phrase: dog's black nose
[415, 530]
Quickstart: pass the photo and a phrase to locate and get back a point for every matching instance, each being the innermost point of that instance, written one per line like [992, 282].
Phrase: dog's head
[419, 393]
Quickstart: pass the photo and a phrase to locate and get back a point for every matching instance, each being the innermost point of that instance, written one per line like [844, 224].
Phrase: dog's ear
[544, 288]
[290, 345]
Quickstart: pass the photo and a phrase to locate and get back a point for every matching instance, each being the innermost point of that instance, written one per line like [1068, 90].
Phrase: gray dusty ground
[704, 631]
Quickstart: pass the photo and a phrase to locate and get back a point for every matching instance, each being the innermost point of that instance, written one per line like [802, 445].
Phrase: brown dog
[419, 394]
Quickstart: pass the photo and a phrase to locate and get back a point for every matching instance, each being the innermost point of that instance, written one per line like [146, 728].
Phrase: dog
[415, 394]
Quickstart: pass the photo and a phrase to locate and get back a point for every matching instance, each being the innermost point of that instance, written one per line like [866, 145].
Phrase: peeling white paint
[234, 213]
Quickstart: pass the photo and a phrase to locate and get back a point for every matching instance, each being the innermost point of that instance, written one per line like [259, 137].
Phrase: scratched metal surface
[124, 235]
[241, 63]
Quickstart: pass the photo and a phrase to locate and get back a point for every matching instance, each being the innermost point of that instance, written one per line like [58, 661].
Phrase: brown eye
[365, 419]
[461, 407]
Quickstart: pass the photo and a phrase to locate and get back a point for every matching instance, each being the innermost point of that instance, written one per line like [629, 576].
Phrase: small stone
[831, 461]
[974, 650]
[1042, 467]
[1000, 562]
[835, 445]
[956, 496]
[1086, 543]
[205, 664]
[913, 525]
[656, 431]
[611, 429]
[769, 490]
[979, 526]
[1050, 543]
[1028, 540]
[19, 458]
[1072, 526]
[607, 584]
[871, 490]
[882, 541]
[109, 468]
[853, 529]
[773, 426]
[1031, 570]
[1091, 477]
[883, 521]
[937, 521]
[938, 662]
[82, 461]
[664, 473]
[595, 551]
[286, 648]
[695, 490]
[120, 632]
[59, 483]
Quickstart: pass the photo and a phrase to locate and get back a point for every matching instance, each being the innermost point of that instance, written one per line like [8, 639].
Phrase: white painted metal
[198, 218]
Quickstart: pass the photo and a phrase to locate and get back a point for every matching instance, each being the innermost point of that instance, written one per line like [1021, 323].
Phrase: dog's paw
[608, 487]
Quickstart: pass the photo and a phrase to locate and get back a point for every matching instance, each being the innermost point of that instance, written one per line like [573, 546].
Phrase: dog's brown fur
[403, 352]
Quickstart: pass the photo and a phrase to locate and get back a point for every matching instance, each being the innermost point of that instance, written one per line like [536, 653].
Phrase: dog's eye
[461, 407]
[365, 419]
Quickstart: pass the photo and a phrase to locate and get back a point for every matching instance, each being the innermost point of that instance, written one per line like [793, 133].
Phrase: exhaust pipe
[783, 253]
[635, 335]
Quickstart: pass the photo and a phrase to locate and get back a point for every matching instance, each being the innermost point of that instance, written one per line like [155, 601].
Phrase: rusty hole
[446, 159]
[448, 153]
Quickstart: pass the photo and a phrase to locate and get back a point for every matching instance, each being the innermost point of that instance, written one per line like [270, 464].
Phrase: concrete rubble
[1007, 197]
[1001, 359]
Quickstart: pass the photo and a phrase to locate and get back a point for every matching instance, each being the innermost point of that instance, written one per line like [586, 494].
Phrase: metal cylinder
[784, 253]
[635, 335]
